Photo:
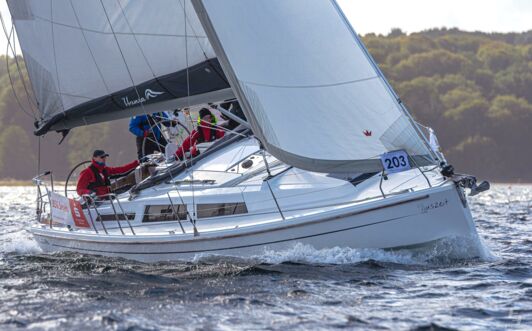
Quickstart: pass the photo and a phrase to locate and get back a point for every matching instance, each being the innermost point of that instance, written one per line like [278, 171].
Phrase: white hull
[402, 221]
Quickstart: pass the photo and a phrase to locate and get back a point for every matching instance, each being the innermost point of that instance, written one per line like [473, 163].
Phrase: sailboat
[327, 155]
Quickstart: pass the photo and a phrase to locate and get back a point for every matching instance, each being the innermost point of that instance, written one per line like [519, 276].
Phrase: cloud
[381, 16]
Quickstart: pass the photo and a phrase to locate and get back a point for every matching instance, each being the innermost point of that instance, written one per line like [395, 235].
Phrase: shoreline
[17, 183]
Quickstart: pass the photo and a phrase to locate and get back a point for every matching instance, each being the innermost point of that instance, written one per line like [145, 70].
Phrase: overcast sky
[380, 16]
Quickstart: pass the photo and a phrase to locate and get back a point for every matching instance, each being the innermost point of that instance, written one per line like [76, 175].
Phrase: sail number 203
[395, 161]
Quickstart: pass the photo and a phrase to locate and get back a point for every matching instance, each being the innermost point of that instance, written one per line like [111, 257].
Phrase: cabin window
[207, 210]
[163, 213]
[113, 217]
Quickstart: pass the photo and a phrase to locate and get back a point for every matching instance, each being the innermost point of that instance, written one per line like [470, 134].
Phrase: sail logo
[148, 94]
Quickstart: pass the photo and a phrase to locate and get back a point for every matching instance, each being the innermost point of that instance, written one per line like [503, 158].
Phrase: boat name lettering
[148, 94]
[57, 204]
[433, 205]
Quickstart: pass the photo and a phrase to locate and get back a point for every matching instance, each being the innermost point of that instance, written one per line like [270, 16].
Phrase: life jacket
[201, 137]
[98, 180]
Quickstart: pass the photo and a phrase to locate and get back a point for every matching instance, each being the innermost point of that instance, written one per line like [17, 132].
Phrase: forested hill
[474, 89]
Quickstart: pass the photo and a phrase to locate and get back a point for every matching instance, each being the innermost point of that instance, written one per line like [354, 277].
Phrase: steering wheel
[166, 135]
[73, 175]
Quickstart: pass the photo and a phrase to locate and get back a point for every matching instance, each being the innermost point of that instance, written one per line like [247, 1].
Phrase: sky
[380, 16]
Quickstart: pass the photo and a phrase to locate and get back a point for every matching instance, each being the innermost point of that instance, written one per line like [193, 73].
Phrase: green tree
[473, 88]
[497, 56]
[84, 140]
[17, 159]
[438, 62]
[510, 107]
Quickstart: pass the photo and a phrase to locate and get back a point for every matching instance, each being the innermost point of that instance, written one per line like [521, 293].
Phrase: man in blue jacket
[147, 132]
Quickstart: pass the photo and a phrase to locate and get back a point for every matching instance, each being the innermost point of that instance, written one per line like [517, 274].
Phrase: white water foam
[20, 242]
[441, 252]
[302, 253]
[445, 251]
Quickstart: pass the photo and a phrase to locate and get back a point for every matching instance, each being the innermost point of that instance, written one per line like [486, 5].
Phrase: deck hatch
[163, 213]
[206, 210]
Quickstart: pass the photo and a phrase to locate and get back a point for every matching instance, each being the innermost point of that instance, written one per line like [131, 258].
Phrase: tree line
[474, 89]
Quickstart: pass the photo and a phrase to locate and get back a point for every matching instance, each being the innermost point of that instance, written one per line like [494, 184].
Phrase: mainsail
[96, 60]
[311, 92]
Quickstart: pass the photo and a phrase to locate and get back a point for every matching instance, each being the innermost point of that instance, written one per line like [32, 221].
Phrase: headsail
[96, 60]
[311, 92]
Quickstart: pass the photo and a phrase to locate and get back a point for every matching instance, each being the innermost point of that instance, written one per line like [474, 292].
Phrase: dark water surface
[440, 288]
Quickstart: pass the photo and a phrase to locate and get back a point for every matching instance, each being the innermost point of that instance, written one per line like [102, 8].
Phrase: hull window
[163, 213]
[207, 210]
[113, 217]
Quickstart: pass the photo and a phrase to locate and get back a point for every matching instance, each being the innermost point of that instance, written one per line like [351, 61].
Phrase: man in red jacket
[95, 178]
[205, 132]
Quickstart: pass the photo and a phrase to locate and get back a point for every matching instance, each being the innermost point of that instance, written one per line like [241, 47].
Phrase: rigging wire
[89, 48]
[55, 56]
[121, 52]
[142, 52]
[38, 155]
[19, 102]
[136, 40]
[196, 36]
[8, 69]
[31, 101]
[221, 128]
[124, 60]
[184, 6]
[148, 117]
[156, 123]
[12, 46]
[21, 77]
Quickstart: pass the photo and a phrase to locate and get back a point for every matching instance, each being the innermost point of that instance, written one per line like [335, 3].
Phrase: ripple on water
[454, 284]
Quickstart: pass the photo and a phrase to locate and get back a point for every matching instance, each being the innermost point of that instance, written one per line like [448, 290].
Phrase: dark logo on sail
[367, 133]
[148, 94]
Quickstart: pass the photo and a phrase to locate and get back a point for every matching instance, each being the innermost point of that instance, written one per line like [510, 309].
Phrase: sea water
[464, 284]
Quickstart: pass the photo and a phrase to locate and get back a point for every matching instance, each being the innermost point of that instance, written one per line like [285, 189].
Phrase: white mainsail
[309, 89]
[95, 60]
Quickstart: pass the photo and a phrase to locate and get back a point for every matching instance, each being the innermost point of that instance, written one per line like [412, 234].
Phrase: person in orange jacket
[205, 132]
[94, 180]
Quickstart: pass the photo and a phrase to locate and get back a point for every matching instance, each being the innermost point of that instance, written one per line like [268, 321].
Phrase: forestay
[96, 60]
[309, 89]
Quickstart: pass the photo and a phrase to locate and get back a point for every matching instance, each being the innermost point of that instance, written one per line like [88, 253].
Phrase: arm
[187, 143]
[219, 133]
[85, 177]
[122, 169]
[165, 120]
[134, 126]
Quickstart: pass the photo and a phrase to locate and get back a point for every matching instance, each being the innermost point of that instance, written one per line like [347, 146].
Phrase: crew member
[205, 132]
[147, 132]
[94, 180]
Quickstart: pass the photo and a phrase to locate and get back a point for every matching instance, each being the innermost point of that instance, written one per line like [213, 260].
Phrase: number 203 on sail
[395, 161]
